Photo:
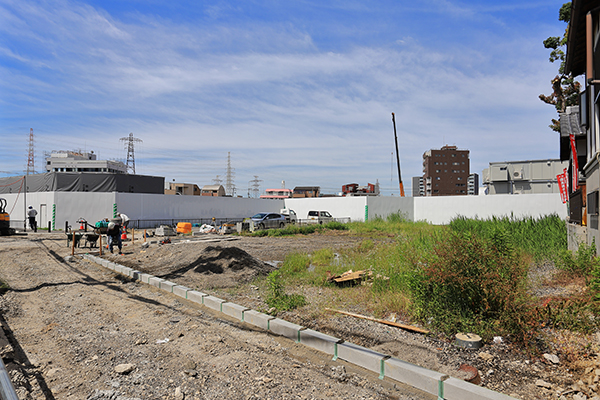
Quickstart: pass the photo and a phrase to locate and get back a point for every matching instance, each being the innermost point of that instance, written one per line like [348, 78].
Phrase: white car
[290, 215]
[319, 217]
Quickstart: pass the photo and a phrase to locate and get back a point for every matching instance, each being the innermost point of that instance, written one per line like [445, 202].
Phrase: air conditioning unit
[517, 175]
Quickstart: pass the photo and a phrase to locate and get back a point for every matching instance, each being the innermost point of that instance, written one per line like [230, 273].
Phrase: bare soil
[77, 331]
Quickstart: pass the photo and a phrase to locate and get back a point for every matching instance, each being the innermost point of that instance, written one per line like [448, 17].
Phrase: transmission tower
[129, 140]
[31, 154]
[255, 186]
[229, 185]
[217, 180]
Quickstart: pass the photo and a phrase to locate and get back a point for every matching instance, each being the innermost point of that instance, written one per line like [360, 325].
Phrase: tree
[565, 90]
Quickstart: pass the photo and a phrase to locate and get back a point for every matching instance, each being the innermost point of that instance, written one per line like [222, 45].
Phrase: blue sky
[296, 91]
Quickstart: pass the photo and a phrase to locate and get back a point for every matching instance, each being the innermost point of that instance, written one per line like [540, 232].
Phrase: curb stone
[432, 382]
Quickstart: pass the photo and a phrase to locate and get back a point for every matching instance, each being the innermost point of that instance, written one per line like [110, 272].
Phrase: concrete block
[135, 275]
[234, 310]
[111, 265]
[286, 329]
[213, 302]
[117, 268]
[319, 341]
[154, 281]
[457, 389]
[126, 270]
[181, 291]
[195, 296]
[257, 319]
[104, 263]
[145, 277]
[361, 356]
[413, 375]
[168, 286]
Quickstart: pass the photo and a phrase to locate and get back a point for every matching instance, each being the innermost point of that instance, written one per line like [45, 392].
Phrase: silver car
[268, 220]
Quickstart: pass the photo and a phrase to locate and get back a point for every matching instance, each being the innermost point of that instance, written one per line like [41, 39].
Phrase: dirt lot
[78, 331]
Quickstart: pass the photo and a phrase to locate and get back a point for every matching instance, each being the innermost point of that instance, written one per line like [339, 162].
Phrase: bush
[472, 283]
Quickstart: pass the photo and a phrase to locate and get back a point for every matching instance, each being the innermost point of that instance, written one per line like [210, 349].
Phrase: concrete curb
[432, 382]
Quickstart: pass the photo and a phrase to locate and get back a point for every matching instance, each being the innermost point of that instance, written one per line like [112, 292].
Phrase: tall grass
[543, 238]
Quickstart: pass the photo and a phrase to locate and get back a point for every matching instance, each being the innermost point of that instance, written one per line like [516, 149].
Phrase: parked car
[268, 220]
[290, 215]
[319, 217]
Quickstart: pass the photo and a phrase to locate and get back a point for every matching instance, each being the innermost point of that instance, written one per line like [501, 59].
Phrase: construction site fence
[155, 223]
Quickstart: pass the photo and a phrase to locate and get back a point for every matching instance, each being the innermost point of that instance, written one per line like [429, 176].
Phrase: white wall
[159, 206]
[91, 206]
[338, 207]
[442, 209]
[94, 206]
[384, 206]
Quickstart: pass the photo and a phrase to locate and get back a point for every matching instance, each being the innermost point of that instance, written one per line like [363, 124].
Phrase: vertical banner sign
[562, 186]
[575, 184]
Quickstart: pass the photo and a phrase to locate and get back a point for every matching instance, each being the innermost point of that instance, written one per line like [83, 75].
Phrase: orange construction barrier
[184, 227]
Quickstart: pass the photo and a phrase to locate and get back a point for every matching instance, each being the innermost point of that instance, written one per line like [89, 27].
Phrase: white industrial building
[71, 161]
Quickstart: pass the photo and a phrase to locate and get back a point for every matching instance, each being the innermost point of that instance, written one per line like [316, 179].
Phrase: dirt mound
[213, 266]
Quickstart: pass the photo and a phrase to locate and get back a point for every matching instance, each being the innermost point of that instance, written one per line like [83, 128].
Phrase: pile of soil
[198, 264]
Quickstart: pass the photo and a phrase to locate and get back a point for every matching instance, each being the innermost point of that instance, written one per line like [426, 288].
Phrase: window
[437, 170]
[459, 178]
[437, 178]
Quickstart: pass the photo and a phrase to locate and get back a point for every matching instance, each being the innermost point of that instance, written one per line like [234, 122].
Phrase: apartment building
[446, 171]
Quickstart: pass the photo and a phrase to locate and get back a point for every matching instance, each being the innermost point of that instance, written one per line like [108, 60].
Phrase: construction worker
[124, 220]
[31, 214]
[114, 236]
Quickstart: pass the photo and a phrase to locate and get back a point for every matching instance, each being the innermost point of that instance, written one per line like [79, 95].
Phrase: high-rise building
[446, 171]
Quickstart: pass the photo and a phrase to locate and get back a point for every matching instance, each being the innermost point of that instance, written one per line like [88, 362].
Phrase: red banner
[575, 171]
[563, 182]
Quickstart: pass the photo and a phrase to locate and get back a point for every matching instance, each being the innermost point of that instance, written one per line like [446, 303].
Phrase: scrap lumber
[347, 276]
[381, 321]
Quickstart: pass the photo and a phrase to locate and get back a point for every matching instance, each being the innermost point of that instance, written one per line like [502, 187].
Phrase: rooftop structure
[72, 161]
[523, 177]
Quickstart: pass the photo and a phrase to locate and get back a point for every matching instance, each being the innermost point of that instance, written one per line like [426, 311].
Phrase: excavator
[5, 228]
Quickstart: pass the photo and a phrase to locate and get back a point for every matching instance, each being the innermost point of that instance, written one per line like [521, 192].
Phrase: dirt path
[78, 331]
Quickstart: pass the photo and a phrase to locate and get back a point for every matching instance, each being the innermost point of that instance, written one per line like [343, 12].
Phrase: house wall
[592, 182]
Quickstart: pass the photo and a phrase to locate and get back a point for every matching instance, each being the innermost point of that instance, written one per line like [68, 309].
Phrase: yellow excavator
[5, 228]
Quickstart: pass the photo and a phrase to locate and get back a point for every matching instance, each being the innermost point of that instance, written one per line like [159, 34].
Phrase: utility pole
[129, 141]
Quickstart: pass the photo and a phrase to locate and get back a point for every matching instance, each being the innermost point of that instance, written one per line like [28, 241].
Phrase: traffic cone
[124, 235]
[81, 227]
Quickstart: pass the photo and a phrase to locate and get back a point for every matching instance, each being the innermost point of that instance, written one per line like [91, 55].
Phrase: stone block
[233, 310]
[145, 277]
[257, 319]
[286, 329]
[167, 286]
[126, 270]
[213, 302]
[319, 341]
[181, 291]
[154, 281]
[361, 356]
[457, 389]
[413, 375]
[195, 296]
[135, 275]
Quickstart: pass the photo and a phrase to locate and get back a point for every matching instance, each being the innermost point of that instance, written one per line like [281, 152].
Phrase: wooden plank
[381, 321]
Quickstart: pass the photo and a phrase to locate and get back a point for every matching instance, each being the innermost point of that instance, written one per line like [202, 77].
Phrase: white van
[289, 214]
[319, 217]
